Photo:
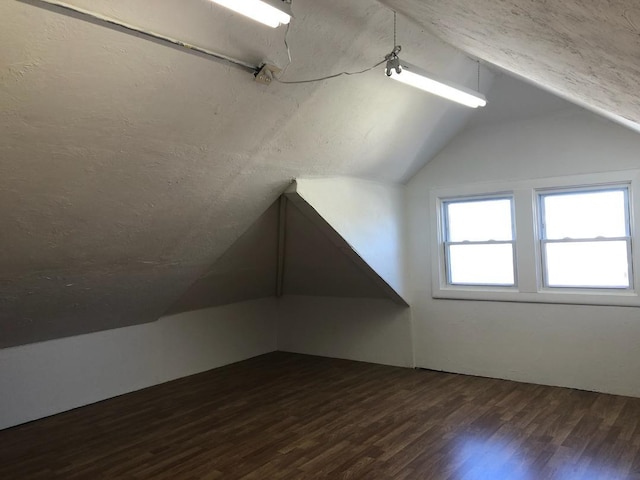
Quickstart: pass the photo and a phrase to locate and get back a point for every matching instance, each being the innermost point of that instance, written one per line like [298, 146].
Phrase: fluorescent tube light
[270, 12]
[411, 75]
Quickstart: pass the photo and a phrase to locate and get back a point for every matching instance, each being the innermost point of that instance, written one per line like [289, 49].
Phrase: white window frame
[529, 285]
[446, 243]
[625, 187]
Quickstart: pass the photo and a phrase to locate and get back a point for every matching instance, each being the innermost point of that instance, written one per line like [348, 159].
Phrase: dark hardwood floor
[300, 417]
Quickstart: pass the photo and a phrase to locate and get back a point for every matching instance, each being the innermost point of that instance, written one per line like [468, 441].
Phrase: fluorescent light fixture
[270, 12]
[414, 76]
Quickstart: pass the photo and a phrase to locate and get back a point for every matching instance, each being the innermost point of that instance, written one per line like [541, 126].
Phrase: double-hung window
[553, 240]
[586, 238]
[479, 241]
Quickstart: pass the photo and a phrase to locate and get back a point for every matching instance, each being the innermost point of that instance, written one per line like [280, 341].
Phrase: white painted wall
[369, 216]
[367, 330]
[45, 378]
[586, 347]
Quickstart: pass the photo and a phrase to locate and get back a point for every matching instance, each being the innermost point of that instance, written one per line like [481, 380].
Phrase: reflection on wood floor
[300, 417]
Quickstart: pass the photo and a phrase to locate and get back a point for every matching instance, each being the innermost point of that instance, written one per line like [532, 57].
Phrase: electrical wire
[395, 29]
[320, 79]
[286, 44]
[335, 75]
[218, 56]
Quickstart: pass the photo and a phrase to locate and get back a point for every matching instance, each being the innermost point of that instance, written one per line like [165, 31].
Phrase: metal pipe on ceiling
[149, 34]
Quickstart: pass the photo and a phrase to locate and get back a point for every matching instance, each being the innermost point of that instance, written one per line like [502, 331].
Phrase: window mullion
[525, 237]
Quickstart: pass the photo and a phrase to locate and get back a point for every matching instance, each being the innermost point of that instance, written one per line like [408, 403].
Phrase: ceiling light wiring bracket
[267, 73]
[393, 61]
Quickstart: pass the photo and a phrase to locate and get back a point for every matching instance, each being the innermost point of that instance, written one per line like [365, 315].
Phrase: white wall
[45, 378]
[586, 347]
[367, 330]
[369, 216]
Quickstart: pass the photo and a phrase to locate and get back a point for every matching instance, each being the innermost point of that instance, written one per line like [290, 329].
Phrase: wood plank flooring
[286, 416]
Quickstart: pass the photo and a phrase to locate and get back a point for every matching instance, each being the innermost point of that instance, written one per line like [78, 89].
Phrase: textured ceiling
[586, 51]
[313, 263]
[128, 167]
[511, 100]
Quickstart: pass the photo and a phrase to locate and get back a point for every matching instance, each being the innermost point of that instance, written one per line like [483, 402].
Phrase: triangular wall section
[289, 250]
[320, 261]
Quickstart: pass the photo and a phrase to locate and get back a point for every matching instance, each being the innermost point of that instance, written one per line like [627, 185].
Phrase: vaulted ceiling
[586, 51]
[128, 167]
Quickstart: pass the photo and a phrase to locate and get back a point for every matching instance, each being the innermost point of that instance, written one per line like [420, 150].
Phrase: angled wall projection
[337, 279]
[321, 238]
[369, 216]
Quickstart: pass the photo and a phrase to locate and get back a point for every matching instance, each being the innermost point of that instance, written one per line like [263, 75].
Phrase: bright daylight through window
[585, 238]
[553, 240]
[479, 247]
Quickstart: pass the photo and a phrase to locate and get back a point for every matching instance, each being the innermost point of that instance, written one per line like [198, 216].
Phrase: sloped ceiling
[511, 99]
[128, 167]
[586, 51]
[316, 261]
[246, 271]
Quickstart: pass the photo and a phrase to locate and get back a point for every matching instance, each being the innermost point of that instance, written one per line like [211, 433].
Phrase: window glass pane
[587, 264]
[486, 264]
[479, 220]
[585, 215]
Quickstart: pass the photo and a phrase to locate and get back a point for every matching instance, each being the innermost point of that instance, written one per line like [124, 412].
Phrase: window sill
[624, 298]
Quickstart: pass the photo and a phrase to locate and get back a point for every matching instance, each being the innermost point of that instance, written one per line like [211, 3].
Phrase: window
[479, 241]
[555, 240]
[585, 238]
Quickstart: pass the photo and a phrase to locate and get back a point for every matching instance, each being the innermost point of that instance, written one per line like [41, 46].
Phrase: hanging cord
[286, 42]
[335, 75]
[392, 59]
[395, 29]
